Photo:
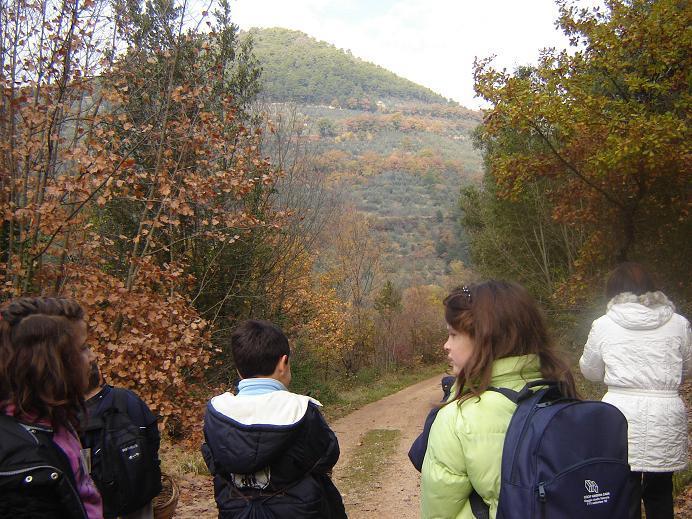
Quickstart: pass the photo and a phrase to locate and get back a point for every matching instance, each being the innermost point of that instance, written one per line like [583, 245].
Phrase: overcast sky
[431, 42]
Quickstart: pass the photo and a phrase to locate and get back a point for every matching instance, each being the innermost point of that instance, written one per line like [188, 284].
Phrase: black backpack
[124, 463]
[36, 479]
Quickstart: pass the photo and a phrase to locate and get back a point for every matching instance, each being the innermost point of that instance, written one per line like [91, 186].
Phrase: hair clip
[467, 292]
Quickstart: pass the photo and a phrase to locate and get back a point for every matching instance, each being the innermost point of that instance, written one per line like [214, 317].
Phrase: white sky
[431, 42]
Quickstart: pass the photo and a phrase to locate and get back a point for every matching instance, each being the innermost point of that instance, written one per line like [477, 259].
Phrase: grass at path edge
[370, 457]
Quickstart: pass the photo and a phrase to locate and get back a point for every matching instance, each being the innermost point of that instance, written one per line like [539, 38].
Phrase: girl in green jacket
[497, 338]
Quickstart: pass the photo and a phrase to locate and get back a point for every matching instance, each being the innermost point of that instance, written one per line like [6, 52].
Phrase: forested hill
[395, 151]
[298, 68]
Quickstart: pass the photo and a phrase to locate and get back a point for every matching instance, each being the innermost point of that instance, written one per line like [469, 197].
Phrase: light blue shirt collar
[259, 386]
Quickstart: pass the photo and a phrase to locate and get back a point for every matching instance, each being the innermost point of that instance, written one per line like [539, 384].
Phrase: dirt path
[395, 490]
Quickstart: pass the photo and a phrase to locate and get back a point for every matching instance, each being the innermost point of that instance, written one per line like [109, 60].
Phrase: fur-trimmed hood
[645, 312]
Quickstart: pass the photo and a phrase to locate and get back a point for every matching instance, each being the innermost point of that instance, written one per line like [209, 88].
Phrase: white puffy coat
[642, 350]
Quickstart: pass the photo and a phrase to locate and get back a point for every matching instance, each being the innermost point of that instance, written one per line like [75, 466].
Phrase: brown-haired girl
[642, 350]
[497, 337]
[44, 367]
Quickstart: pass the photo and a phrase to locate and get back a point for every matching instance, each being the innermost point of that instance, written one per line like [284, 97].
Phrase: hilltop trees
[591, 147]
[303, 70]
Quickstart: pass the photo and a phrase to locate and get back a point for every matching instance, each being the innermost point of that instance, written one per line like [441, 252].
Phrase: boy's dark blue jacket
[271, 456]
[137, 410]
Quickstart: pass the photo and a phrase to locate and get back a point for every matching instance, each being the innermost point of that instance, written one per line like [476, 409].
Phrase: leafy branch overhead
[602, 128]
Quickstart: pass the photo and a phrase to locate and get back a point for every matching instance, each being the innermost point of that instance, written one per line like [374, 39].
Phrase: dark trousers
[656, 490]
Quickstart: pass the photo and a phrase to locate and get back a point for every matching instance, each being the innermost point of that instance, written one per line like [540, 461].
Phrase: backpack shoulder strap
[527, 392]
[119, 400]
[479, 508]
[93, 423]
[96, 422]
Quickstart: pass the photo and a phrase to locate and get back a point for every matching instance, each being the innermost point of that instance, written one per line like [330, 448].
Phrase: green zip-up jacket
[465, 445]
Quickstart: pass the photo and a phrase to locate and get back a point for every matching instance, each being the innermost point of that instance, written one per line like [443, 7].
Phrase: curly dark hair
[42, 371]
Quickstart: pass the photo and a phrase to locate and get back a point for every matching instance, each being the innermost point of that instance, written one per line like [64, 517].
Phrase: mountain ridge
[300, 68]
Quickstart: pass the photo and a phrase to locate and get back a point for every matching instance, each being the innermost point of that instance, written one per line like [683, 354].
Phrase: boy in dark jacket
[270, 451]
[138, 482]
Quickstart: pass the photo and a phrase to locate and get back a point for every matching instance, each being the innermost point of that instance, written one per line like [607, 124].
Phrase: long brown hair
[42, 371]
[503, 320]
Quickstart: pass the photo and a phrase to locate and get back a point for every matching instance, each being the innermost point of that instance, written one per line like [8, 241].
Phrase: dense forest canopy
[587, 155]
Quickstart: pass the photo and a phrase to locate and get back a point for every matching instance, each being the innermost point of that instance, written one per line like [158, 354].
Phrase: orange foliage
[75, 151]
[337, 164]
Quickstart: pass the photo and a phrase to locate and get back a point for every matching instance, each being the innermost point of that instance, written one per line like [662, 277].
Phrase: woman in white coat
[641, 349]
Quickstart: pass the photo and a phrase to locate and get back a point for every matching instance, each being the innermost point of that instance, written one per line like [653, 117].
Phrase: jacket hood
[645, 312]
[249, 432]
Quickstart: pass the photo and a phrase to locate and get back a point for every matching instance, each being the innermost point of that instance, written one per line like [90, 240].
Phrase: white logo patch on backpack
[258, 480]
[594, 497]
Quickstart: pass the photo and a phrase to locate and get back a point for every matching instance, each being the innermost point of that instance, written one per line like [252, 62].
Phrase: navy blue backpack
[562, 459]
